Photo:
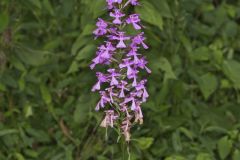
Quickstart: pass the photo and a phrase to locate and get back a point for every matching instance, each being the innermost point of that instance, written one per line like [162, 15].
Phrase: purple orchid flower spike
[120, 86]
[134, 20]
[117, 15]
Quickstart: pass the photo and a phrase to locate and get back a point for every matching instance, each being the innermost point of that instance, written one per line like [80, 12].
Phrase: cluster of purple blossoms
[121, 89]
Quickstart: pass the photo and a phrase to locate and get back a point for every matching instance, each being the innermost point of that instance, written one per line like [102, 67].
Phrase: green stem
[128, 150]
[123, 150]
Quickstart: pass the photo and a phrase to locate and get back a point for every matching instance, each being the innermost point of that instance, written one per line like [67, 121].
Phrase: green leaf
[175, 158]
[28, 111]
[224, 146]
[74, 67]
[32, 57]
[186, 42]
[150, 14]
[144, 142]
[81, 41]
[21, 82]
[176, 141]
[36, 3]
[204, 156]
[17, 64]
[87, 52]
[47, 4]
[4, 19]
[236, 155]
[7, 132]
[2, 87]
[45, 94]
[80, 113]
[231, 68]
[19, 156]
[31, 153]
[215, 129]
[162, 7]
[8, 80]
[208, 84]
[187, 132]
[167, 68]
[201, 54]
[231, 29]
[96, 8]
[217, 55]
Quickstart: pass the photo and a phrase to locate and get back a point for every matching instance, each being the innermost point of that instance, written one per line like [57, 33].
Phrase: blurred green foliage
[47, 109]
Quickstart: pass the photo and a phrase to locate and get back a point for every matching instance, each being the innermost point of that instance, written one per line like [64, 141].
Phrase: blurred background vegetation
[47, 109]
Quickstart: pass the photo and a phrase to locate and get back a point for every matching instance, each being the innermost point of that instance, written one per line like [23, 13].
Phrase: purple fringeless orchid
[102, 27]
[121, 88]
[117, 15]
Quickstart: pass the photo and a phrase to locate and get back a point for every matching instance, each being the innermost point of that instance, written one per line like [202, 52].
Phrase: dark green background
[47, 109]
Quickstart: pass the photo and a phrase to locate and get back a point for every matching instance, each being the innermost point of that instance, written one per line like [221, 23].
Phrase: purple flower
[127, 64]
[134, 20]
[142, 64]
[107, 50]
[138, 114]
[139, 39]
[120, 86]
[131, 99]
[104, 54]
[109, 119]
[121, 37]
[103, 101]
[117, 15]
[133, 53]
[101, 78]
[111, 93]
[124, 108]
[132, 2]
[111, 2]
[141, 87]
[102, 28]
[126, 126]
[133, 76]
[113, 75]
